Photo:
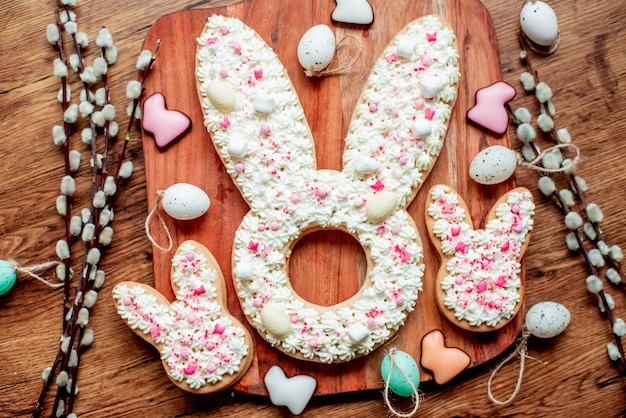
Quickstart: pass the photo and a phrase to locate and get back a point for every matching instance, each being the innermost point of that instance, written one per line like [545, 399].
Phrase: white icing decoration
[284, 190]
[482, 281]
[263, 104]
[199, 345]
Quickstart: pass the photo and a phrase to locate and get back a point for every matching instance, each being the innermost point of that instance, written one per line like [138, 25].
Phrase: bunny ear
[252, 110]
[478, 285]
[401, 119]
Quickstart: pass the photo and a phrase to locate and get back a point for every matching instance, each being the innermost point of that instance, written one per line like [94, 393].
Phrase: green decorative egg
[7, 277]
[398, 384]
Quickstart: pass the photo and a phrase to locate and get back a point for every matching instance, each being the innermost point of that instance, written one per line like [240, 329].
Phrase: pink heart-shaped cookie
[489, 111]
[444, 362]
[166, 125]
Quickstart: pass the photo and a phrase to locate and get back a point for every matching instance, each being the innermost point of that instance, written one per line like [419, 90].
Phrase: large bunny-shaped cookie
[203, 348]
[479, 287]
[258, 127]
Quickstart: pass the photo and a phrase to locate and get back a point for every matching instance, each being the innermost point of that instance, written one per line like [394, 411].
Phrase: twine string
[155, 210]
[326, 71]
[34, 269]
[415, 395]
[535, 164]
[522, 351]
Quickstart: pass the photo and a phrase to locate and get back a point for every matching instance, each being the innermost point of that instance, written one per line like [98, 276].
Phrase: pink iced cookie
[489, 111]
[166, 125]
[353, 11]
[444, 362]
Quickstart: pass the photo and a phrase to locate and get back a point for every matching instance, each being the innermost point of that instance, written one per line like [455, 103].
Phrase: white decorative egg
[184, 201]
[493, 165]
[316, 48]
[547, 319]
[538, 22]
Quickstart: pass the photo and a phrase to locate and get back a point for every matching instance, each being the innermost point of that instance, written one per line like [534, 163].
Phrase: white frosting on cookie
[483, 269]
[288, 196]
[199, 345]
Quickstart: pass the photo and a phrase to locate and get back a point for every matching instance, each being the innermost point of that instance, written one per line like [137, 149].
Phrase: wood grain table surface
[122, 376]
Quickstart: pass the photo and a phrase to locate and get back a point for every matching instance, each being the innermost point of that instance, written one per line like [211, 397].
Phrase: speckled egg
[316, 48]
[547, 319]
[7, 277]
[184, 201]
[538, 22]
[398, 384]
[493, 165]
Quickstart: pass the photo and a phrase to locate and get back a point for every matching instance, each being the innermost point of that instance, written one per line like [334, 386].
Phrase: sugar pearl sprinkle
[482, 279]
[199, 345]
[287, 195]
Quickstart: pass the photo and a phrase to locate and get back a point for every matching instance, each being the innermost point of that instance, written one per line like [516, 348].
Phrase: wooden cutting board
[327, 266]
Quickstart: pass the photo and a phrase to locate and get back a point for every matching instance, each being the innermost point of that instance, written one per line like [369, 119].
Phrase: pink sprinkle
[293, 318]
[402, 160]
[211, 367]
[275, 225]
[380, 230]
[295, 198]
[253, 246]
[455, 230]
[396, 228]
[189, 370]
[225, 123]
[191, 318]
[371, 323]
[199, 290]
[460, 247]
[429, 113]
[481, 286]
[261, 226]
[219, 329]
[224, 29]
[431, 36]
[505, 246]
[211, 41]
[515, 208]
[420, 143]
[447, 209]
[239, 167]
[127, 301]
[184, 353]
[458, 280]
[378, 186]
[322, 192]
[391, 58]
[209, 345]
[427, 60]
[500, 282]
[155, 332]
[258, 73]
[265, 129]
[257, 302]
[394, 113]
[223, 73]
[419, 103]
[498, 303]
[373, 107]
[518, 228]
[313, 343]
[399, 300]
[237, 47]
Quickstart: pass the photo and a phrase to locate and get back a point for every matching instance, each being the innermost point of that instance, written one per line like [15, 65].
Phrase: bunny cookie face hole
[259, 130]
[333, 260]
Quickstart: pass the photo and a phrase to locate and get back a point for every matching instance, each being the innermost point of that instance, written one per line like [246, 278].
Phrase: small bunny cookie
[203, 347]
[266, 145]
[478, 285]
